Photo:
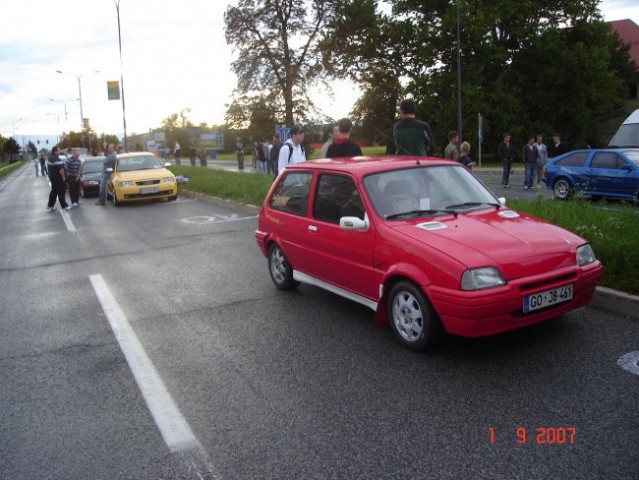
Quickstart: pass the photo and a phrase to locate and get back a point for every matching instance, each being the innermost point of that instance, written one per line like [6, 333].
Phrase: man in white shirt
[292, 150]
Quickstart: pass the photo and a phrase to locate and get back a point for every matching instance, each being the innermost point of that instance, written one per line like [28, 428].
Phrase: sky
[174, 56]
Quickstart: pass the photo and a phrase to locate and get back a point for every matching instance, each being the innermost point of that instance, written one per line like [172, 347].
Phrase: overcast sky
[174, 56]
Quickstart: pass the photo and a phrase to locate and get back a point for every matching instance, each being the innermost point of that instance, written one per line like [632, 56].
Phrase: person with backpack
[292, 150]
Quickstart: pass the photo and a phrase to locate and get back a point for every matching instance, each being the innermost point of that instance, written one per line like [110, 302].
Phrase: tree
[278, 45]
[377, 108]
[12, 149]
[514, 56]
[175, 127]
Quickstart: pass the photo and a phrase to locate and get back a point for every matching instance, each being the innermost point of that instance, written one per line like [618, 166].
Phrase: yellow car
[140, 176]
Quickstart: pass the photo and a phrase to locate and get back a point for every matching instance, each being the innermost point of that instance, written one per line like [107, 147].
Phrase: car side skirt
[304, 278]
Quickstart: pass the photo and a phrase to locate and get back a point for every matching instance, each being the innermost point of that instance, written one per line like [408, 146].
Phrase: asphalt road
[148, 342]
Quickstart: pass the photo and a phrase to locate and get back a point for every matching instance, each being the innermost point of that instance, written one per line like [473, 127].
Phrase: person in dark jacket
[342, 145]
[411, 136]
[505, 154]
[57, 177]
[529, 155]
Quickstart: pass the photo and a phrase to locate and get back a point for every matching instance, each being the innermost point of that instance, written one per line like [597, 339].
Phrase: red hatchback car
[423, 243]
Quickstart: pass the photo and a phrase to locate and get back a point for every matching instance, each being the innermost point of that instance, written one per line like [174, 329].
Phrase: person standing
[43, 165]
[464, 156]
[451, 152]
[292, 150]
[557, 148]
[176, 152]
[72, 169]
[342, 145]
[239, 151]
[411, 136]
[107, 168]
[57, 177]
[529, 156]
[36, 165]
[255, 154]
[542, 158]
[271, 165]
[505, 154]
[331, 133]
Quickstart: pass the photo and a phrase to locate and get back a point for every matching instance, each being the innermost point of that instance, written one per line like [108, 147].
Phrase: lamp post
[14, 126]
[459, 88]
[66, 117]
[79, 77]
[117, 7]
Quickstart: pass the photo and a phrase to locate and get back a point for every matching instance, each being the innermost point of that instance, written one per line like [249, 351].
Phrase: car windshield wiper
[420, 212]
[474, 204]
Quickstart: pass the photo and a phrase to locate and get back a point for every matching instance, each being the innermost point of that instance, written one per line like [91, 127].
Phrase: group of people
[534, 155]
[66, 174]
[410, 137]
[40, 165]
[265, 155]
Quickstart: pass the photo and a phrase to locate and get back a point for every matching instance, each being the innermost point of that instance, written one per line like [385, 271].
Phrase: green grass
[6, 168]
[245, 188]
[612, 232]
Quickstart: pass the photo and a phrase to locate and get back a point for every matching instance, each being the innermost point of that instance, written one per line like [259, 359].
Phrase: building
[628, 32]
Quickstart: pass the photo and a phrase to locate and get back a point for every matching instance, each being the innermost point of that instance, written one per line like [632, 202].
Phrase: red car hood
[518, 245]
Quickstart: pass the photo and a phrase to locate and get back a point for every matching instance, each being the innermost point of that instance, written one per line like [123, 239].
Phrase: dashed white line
[67, 221]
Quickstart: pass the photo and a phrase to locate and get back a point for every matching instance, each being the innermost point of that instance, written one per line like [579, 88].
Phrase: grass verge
[7, 168]
[245, 188]
[612, 232]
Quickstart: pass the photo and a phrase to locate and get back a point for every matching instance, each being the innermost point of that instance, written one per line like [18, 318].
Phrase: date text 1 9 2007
[541, 435]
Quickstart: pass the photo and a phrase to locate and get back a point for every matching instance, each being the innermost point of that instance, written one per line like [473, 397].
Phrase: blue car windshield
[633, 156]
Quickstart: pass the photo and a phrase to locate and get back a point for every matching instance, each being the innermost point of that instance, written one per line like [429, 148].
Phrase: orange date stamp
[540, 435]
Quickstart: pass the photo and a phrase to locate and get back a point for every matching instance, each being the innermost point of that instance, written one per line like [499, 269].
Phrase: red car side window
[291, 194]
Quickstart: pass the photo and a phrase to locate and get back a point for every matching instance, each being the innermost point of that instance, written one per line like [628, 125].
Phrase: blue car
[611, 173]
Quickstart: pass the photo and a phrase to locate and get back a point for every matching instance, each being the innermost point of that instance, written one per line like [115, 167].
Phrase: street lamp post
[79, 77]
[66, 117]
[117, 7]
[459, 88]
[14, 126]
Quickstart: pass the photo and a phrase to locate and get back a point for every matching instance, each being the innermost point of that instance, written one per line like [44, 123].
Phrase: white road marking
[174, 428]
[219, 218]
[630, 362]
[67, 220]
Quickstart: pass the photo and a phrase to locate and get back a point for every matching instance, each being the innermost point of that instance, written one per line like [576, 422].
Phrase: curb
[248, 209]
[617, 302]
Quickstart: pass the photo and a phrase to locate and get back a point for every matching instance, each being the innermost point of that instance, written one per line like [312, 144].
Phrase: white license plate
[150, 190]
[548, 298]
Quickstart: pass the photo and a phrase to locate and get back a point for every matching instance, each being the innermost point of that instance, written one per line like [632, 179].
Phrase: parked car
[424, 244]
[611, 173]
[91, 175]
[140, 176]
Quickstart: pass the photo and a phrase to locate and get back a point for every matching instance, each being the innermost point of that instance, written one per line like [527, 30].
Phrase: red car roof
[364, 165]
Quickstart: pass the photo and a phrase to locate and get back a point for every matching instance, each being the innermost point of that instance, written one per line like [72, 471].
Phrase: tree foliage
[277, 43]
[11, 148]
[527, 66]
[175, 128]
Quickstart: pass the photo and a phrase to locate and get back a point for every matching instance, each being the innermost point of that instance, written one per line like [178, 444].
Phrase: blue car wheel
[562, 189]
